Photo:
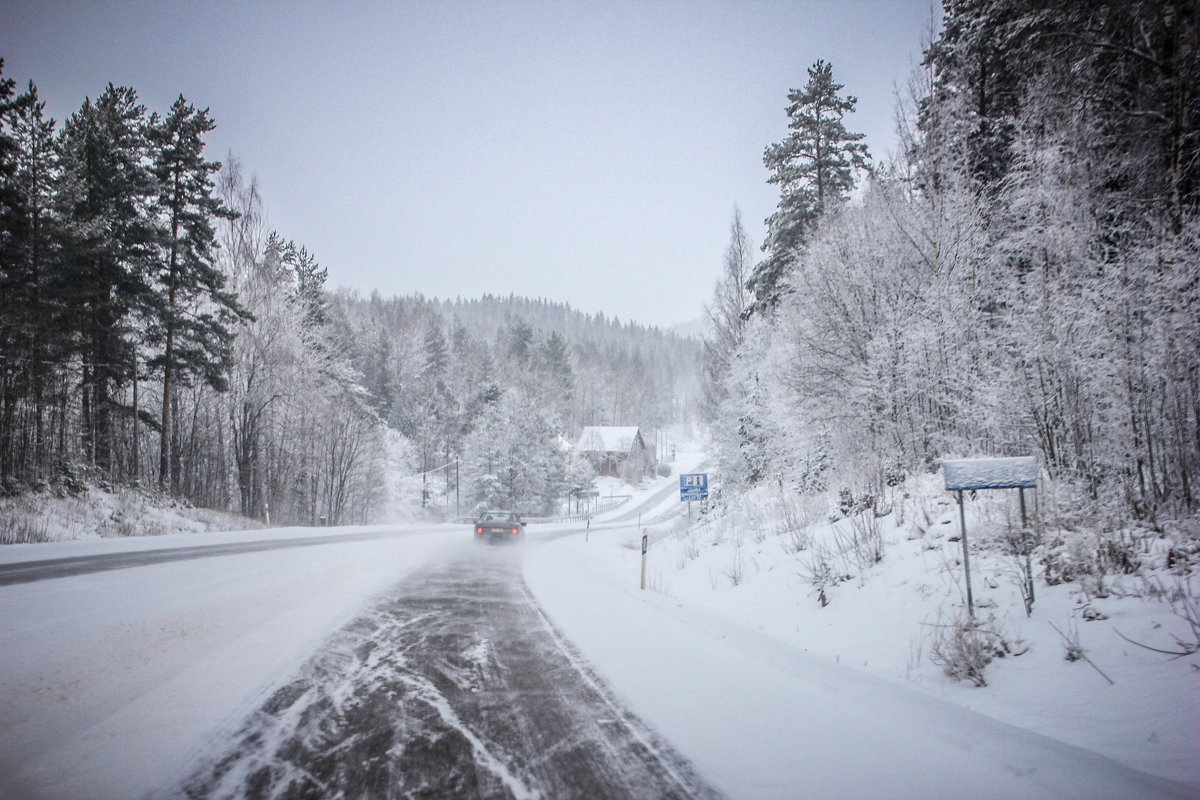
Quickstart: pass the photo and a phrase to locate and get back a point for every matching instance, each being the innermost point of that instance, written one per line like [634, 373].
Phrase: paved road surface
[454, 686]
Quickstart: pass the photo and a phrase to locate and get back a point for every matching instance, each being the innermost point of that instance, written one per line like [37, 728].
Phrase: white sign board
[964, 474]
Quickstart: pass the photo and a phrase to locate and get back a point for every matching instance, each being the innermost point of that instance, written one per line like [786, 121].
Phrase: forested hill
[154, 331]
[423, 359]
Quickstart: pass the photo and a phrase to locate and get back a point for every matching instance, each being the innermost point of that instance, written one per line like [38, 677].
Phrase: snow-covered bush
[866, 538]
[963, 647]
[819, 571]
[19, 525]
[123, 512]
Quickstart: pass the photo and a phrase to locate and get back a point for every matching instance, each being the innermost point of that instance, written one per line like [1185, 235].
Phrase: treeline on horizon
[1021, 279]
[154, 332]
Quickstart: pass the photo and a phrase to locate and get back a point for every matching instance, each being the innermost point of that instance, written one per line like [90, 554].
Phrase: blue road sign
[693, 486]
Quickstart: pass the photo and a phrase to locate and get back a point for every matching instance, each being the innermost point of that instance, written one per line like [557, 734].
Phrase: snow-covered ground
[730, 655]
[112, 682]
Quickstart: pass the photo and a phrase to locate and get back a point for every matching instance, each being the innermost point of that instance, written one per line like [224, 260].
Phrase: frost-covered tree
[727, 315]
[580, 483]
[512, 458]
[1022, 279]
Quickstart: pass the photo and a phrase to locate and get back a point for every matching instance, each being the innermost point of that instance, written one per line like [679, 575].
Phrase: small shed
[618, 451]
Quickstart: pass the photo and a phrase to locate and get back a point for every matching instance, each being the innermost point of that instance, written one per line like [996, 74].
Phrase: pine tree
[34, 331]
[193, 312]
[815, 168]
[309, 293]
[13, 275]
[105, 195]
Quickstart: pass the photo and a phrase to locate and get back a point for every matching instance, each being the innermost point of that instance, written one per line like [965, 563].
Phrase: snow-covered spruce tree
[556, 377]
[484, 460]
[436, 424]
[580, 484]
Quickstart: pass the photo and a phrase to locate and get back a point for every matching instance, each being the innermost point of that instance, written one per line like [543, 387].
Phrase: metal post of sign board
[962, 521]
[1027, 546]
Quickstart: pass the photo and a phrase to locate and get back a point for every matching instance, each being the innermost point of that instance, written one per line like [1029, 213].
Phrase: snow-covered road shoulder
[761, 718]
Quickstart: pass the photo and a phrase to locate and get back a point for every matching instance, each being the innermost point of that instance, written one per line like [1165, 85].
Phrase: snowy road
[454, 685]
[112, 682]
[414, 663]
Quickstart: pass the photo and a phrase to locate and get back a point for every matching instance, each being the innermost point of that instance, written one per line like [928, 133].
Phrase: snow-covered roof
[605, 439]
[991, 473]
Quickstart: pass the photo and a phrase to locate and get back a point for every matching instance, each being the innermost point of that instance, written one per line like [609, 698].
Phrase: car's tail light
[516, 531]
[479, 529]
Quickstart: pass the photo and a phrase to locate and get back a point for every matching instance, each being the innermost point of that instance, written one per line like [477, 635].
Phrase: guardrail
[604, 504]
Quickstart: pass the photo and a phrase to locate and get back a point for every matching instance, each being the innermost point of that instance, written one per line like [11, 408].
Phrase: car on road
[497, 526]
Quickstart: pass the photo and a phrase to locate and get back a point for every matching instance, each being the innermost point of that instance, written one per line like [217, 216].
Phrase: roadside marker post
[645, 546]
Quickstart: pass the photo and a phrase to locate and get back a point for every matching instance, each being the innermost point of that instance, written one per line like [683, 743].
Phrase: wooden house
[618, 451]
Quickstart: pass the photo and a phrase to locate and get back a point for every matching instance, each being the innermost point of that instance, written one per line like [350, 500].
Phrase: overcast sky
[585, 152]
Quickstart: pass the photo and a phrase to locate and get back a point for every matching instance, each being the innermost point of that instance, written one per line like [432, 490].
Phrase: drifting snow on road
[455, 685]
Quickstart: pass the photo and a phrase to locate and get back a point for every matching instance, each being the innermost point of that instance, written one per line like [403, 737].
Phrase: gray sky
[590, 153]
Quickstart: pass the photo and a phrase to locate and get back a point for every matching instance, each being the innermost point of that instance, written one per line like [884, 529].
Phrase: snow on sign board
[990, 473]
[693, 486]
